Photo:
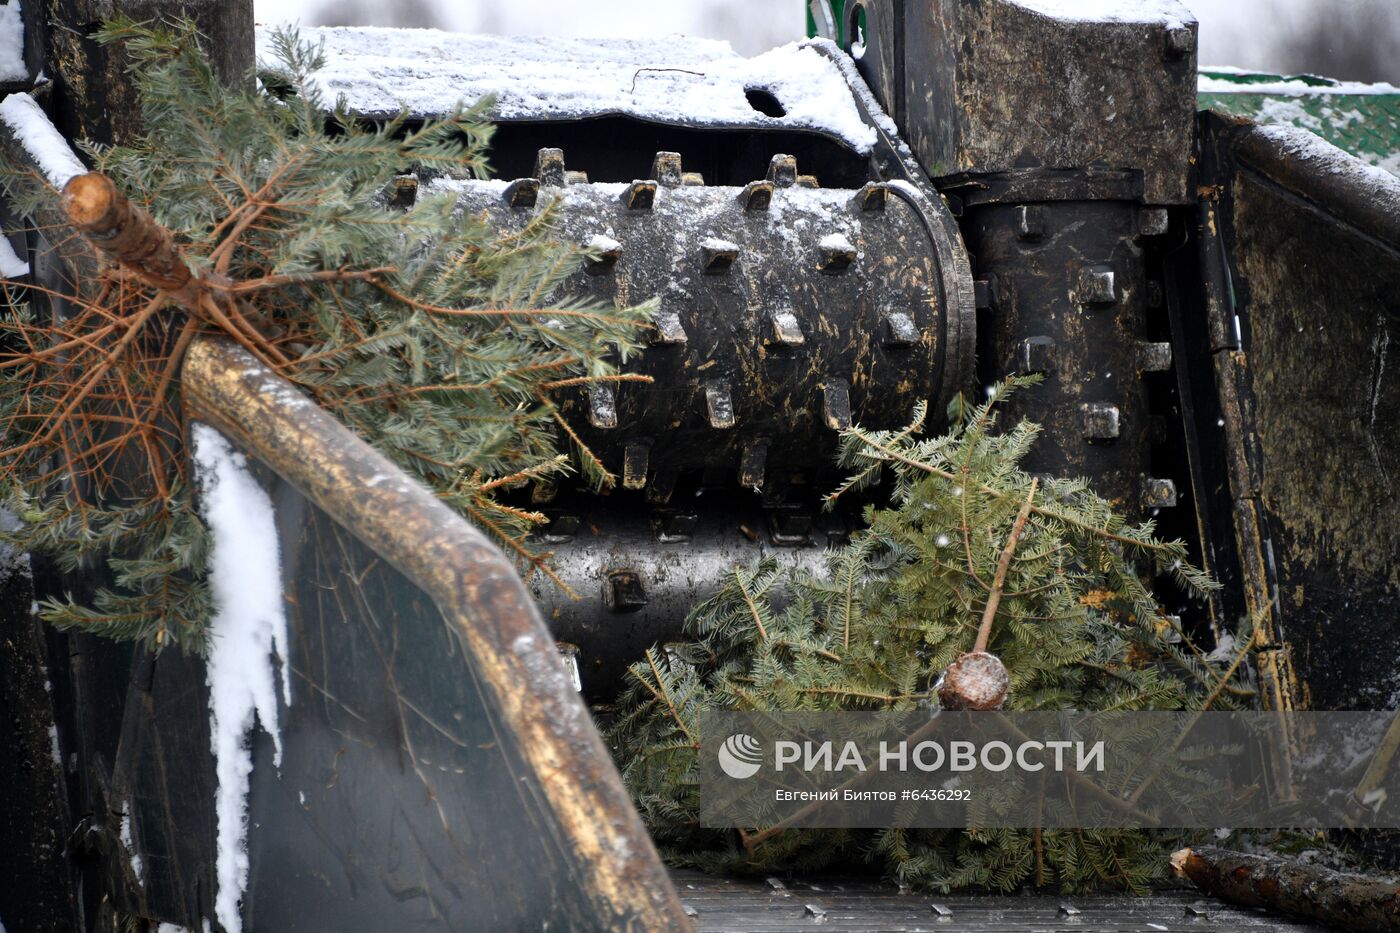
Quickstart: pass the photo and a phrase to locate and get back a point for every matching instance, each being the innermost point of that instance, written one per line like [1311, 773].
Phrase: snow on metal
[249, 631]
[679, 80]
[1113, 11]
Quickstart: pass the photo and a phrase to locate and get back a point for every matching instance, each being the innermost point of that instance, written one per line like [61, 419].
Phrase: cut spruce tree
[266, 217]
[972, 559]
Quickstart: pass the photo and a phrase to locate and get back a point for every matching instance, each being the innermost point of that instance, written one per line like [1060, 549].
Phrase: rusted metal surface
[489, 623]
[34, 827]
[1303, 314]
[990, 85]
[1066, 289]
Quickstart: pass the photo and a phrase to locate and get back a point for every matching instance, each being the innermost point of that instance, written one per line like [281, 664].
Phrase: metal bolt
[1158, 493]
[1152, 221]
[1180, 41]
[1096, 286]
[1030, 222]
[1099, 421]
[1154, 357]
[624, 591]
[1037, 355]
[982, 294]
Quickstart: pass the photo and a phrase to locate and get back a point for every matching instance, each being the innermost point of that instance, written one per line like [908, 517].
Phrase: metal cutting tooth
[718, 255]
[602, 405]
[719, 405]
[786, 329]
[635, 458]
[808, 181]
[640, 195]
[549, 168]
[837, 254]
[666, 169]
[836, 404]
[873, 196]
[572, 177]
[662, 485]
[543, 491]
[757, 195]
[900, 330]
[523, 192]
[692, 179]
[753, 465]
[668, 329]
[403, 193]
[606, 252]
[782, 171]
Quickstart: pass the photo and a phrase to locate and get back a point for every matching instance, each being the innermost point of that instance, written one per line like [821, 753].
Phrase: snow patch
[12, 43]
[131, 849]
[599, 243]
[249, 628]
[837, 242]
[11, 266]
[1168, 12]
[1322, 156]
[44, 143]
[676, 79]
[1290, 86]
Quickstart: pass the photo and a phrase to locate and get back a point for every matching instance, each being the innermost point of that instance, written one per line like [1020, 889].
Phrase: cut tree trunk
[1344, 901]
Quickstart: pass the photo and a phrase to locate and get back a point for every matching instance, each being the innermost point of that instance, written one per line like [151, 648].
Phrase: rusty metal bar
[478, 590]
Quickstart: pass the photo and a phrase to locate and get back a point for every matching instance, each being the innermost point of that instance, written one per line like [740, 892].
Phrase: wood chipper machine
[926, 197]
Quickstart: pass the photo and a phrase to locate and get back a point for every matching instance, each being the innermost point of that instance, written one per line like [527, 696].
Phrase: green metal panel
[1362, 119]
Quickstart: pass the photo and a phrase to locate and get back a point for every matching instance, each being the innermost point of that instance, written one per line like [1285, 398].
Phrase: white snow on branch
[697, 82]
[44, 143]
[12, 43]
[249, 629]
[1168, 12]
[11, 266]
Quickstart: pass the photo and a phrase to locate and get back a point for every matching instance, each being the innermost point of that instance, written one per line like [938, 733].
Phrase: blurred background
[1357, 40]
